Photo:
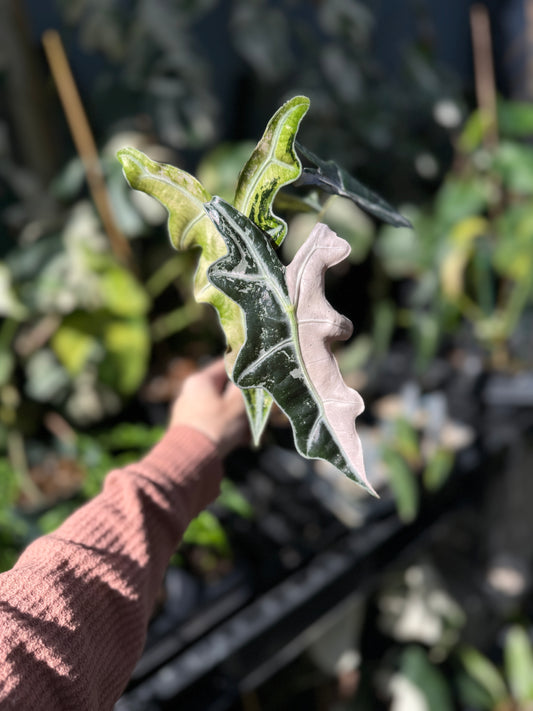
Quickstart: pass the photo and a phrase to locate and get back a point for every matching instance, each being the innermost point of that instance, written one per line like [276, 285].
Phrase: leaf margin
[346, 185]
[218, 210]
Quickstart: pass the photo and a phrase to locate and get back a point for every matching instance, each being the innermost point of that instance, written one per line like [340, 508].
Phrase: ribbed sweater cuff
[74, 610]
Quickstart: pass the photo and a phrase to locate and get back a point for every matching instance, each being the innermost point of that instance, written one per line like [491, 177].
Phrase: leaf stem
[170, 270]
[484, 70]
[325, 207]
[84, 141]
[175, 321]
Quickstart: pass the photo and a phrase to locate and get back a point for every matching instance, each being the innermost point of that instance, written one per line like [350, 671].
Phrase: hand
[213, 405]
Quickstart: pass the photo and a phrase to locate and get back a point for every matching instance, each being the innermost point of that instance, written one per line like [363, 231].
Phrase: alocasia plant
[277, 322]
[289, 326]
[273, 163]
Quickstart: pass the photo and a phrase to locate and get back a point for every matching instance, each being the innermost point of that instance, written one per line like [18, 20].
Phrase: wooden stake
[484, 70]
[84, 141]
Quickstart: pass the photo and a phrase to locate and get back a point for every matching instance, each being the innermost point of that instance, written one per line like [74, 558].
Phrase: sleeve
[75, 608]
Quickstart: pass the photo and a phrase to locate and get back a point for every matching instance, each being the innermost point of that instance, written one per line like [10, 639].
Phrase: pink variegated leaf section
[318, 326]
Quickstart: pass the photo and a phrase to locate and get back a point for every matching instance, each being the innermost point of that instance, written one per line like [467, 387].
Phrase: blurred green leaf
[515, 119]
[60, 288]
[291, 202]
[355, 355]
[119, 348]
[127, 351]
[460, 246]
[514, 164]
[177, 320]
[513, 251]
[129, 435]
[54, 517]
[518, 661]
[27, 263]
[178, 265]
[485, 288]
[403, 484]
[406, 441]
[231, 498]
[350, 223]
[438, 469]
[121, 293]
[14, 536]
[69, 182]
[74, 344]
[485, 674]
[474, 131]
[384, 318]
[205, 530]
[343, 217]
[129, 220]
[423, 72]
[461, 197]
[10, 306]
[402, 251]
[97, 462]
[415, 665]
[219, 170]
[8, 483]
[7, 364]
[46, 379]
[14, 529]
[9, 553]
[426, 333]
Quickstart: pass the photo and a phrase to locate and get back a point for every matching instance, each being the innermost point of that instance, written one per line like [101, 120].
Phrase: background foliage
[92, 349]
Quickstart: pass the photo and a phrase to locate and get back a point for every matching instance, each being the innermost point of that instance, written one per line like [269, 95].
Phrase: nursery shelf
[260, 616]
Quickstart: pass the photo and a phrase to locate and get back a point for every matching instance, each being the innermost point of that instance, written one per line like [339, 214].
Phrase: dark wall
[443, 23]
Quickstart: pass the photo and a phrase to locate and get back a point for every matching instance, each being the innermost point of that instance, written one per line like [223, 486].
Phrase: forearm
[74, 610]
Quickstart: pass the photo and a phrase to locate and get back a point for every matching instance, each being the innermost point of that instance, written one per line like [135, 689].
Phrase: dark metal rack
[254, 621]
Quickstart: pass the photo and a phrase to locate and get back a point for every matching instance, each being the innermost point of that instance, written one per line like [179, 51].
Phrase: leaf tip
[301, 100]
[371, 490]
[402, 221]
[358, 476]
[127, 153]
[131, 160]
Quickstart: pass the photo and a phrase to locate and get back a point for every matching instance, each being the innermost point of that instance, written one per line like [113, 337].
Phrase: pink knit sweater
[75, 608]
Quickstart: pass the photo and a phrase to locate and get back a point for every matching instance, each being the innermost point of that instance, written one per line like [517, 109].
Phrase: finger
[216, 373]
[233, 394]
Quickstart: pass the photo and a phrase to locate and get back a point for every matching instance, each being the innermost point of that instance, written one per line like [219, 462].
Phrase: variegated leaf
[301, 376]
[334, 179]
[272, 164]
[318, 326]
[188, 226]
